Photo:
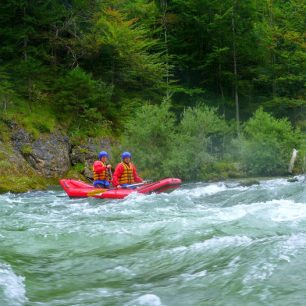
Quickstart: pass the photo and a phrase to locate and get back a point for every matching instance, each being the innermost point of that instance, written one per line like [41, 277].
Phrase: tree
[282, 76]
[78, 92]
[7, 93]
[121, 50]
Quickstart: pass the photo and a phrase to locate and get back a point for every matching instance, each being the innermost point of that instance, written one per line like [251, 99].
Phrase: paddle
[110, 173]
[100, 191]
[89, 179]
[133, 185]
[96, 192]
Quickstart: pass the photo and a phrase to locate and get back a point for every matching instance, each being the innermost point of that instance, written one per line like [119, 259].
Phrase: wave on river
[203, 244]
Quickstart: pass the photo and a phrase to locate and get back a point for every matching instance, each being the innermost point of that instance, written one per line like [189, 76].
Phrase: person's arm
[118, 172]
[137, 179]
[98, 167]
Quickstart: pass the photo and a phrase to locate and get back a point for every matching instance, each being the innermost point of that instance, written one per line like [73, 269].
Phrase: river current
[203, 244]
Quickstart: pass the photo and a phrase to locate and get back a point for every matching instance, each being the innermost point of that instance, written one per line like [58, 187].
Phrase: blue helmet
[126, 154]
[102, 154]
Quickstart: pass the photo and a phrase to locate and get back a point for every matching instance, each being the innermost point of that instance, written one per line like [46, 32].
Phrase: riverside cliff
[29, 163]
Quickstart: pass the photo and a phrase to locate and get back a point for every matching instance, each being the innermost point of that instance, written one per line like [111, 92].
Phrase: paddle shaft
[110, 173]
[132, 185]
[98, 192]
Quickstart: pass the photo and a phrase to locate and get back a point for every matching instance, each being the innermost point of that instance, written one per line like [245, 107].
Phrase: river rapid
[203, 244]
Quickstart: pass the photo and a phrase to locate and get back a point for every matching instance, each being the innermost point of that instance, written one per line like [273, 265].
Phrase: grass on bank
[13, 179]
[35, 119]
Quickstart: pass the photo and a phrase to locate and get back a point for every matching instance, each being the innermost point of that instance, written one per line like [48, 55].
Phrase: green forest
[195, 89]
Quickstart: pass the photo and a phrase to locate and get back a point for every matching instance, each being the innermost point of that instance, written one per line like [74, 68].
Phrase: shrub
[79, 167]
[219, 170]
[149, 136]
[198, 142]
[300, 166]
[267, 143]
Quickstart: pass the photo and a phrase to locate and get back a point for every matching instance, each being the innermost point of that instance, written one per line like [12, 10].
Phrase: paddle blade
[96, 192]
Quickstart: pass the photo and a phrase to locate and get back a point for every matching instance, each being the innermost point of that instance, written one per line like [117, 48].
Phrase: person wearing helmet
[102, 171]
[125, 172]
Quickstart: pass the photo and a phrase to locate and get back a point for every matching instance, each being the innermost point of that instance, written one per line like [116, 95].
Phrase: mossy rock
[19, 184]
[292, 180]
[4, 131]
[26, 149]
[84, 150]
[3, 156]
[75, 174]
[4, 165]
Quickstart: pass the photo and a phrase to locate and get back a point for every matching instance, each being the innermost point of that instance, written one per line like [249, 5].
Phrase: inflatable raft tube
[79, 189]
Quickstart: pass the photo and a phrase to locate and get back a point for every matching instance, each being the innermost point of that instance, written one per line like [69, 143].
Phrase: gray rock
[13, 161]
[88, 170]
[20, 138]
[87, 153]
[52, 155]
[292, 180]
[79, 154]
[49, 154]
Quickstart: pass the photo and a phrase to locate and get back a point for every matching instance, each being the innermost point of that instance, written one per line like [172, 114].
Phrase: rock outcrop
[33, 163]
[86, 154]
[49, 155]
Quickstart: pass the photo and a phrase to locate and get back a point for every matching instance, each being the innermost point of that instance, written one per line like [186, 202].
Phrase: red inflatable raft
[79, 189]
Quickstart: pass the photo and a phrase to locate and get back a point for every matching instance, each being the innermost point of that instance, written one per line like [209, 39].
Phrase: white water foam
[259, 272]
[232, 267]
[192, 276]
[287, 210]
[215, 244]
[86, 297]
[275, 210]
[215, 188]
[272, 183]
[134, 197]
[12, 286]
[202, 191]
[285, 250]
[291, 246]
[10, 198]
[146, 300]
[122, 271]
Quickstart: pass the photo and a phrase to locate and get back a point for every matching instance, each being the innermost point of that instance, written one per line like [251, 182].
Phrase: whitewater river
[204, 244]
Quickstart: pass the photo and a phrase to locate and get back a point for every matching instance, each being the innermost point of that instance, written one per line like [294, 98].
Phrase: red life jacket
[127, 176]
[100, 171]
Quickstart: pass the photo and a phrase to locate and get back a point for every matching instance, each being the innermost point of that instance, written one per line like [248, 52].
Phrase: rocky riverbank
[28, 163]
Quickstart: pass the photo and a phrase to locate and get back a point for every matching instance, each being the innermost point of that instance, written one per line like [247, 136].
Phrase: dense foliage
[266, 145]
[204, 146]
[96, 67]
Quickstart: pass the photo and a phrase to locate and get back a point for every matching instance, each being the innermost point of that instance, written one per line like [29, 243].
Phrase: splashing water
[204, 244]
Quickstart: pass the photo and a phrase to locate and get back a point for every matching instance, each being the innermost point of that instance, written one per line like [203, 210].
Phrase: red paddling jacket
[125, 174]
[100, 171]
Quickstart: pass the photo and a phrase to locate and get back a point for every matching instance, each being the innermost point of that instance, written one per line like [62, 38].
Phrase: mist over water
[204, 244]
